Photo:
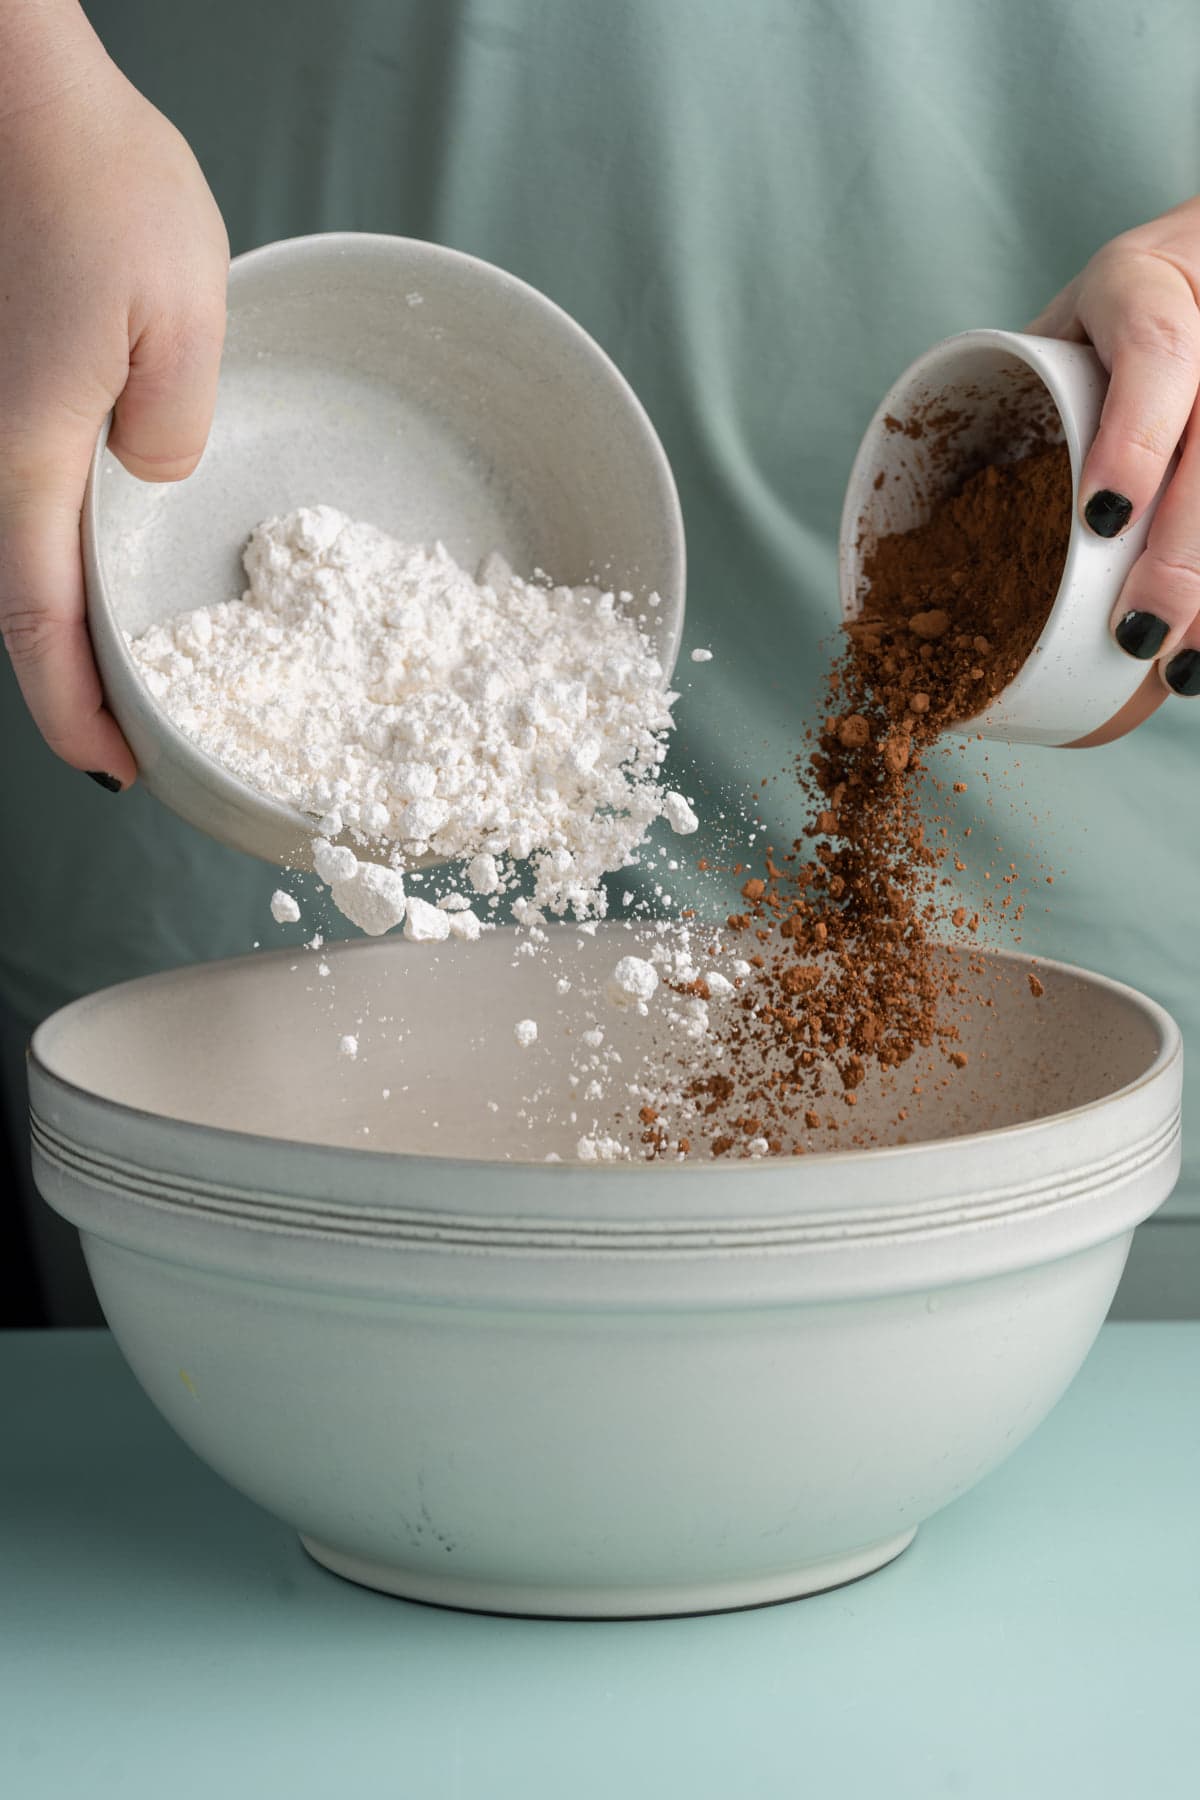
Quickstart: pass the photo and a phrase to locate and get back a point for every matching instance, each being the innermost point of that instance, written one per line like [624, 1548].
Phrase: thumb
[42, 611]
[162, 417]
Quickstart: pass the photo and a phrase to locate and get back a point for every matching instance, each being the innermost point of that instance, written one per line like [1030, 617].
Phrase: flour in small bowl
[422, 711]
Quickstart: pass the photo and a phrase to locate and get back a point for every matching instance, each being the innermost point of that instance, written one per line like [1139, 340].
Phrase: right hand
[113, 263]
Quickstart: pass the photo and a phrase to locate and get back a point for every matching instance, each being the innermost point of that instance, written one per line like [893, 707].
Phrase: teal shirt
[763, 211]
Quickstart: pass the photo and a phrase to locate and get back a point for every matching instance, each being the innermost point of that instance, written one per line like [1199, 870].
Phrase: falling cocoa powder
[845, 931]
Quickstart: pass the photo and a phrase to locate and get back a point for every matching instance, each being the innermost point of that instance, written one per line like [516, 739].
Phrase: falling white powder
[374, 900]
[483, 874]
[702, 655]
[525, 1032]
[679, 815]
[632, 983]
[349, 1045]
[597, 1147]
[369, 895]
[425, 924]
[284, 910]
[333, 862]
[382, 689]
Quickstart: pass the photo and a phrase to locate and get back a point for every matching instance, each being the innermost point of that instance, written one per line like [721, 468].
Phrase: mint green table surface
[160, 1636]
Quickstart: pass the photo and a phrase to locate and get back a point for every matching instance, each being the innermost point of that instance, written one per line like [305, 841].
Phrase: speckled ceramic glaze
[414, 387]
[470, 1376]
[1076, 679]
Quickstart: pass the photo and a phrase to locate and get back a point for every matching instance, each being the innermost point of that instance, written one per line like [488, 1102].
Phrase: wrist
[46, 48]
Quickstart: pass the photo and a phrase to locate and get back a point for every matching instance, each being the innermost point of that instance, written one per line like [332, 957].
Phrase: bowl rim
[367, 1158]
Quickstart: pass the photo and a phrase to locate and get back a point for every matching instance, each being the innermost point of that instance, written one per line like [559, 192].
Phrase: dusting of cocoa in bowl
[845, 926]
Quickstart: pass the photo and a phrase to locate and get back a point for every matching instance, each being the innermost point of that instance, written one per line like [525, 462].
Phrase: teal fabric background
[762, 211]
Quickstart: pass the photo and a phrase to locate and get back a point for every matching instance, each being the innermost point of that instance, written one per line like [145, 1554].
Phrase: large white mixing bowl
[469, 1376]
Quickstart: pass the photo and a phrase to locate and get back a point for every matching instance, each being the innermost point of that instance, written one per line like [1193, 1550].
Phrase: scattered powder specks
[525, 1032]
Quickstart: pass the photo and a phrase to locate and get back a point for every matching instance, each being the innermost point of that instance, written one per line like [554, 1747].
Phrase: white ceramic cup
[1005, 384]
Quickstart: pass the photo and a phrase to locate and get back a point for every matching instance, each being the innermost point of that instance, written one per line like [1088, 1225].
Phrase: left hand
[1138, 304]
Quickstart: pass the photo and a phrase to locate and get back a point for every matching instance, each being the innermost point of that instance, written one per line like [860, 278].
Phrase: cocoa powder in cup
[843, 930]
[973, 586]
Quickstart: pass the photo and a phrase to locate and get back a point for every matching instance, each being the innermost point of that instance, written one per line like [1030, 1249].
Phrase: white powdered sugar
[679, 815]
[632, 983]
[424, 923]
[368, 894]
[284, 909]
[421, 710]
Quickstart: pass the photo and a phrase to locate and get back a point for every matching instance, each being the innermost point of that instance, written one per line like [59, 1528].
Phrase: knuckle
[1161, 334]
[1110, 256]
[1174, 578]
[197, 325]
[28, 636]
[194, 337]
[1150, 437]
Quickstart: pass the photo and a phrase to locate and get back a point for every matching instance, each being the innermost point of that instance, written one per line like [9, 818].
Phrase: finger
[1181, 670]
[1059, 319]
[1145, 325]
[162, 418]
[42, 611]
[1161, 596]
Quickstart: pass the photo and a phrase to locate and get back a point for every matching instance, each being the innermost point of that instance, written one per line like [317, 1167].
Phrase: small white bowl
[1077, 679]
[470, 1376]
[414, 387]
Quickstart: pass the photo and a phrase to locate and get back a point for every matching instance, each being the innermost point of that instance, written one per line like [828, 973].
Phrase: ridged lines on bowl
[161, 1191]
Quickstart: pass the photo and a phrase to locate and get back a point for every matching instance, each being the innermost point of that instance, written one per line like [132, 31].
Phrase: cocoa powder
[974, 586]
[844, 927]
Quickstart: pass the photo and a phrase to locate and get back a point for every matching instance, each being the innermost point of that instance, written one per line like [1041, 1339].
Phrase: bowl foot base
[530, 1601]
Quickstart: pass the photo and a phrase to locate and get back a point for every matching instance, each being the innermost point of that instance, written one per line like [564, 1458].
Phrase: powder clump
[434, 712]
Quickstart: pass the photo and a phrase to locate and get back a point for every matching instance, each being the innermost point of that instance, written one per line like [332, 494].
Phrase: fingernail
[108, 782]
[1141, 634]
[1107, 513]
[1182, 673]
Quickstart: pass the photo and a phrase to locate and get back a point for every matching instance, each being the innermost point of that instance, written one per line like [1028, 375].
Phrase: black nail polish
[108, 782]
[1141, 634]
[1182, 673]
[1107, 513]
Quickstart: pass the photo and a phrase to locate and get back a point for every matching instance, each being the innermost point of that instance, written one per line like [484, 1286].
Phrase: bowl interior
[419, 389]
[253, 1045]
